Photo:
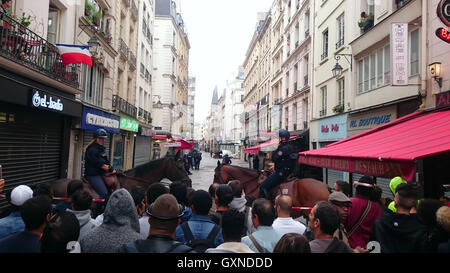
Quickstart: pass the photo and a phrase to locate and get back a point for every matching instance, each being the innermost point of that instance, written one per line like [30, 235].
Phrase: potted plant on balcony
[25, 21]
[338, 109]
[366, 21]
[88, 8]
[97, 17]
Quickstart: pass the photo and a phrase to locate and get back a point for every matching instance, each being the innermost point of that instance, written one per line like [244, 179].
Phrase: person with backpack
[240, 203]
[200, 232]
[164, 217]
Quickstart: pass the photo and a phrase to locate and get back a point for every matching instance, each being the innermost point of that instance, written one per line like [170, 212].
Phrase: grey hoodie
[239, 204]
[120, 226]
[87, 224]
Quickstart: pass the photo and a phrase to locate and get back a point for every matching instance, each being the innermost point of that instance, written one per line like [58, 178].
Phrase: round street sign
[443, 11]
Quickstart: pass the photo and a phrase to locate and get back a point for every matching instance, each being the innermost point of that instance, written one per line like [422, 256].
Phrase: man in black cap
[164, 217]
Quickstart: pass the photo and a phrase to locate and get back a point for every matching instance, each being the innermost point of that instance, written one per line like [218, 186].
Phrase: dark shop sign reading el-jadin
[45, 101]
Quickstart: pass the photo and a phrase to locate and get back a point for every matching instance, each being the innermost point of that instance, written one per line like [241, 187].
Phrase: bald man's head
[284, 202]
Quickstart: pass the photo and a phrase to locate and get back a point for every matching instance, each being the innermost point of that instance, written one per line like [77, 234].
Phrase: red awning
[389, 150]
[178, 143]
[267, 146]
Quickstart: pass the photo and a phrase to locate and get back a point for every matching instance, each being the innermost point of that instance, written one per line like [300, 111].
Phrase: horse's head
[175, 170]
[218, 173]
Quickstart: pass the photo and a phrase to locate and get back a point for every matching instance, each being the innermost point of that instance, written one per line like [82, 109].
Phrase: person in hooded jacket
[401, 232]
[120, 226]
[80, 207]
[239, 203]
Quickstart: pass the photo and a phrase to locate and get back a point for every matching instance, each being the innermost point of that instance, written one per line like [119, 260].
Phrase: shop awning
[268, 146]
[389, 150]
[177, 143]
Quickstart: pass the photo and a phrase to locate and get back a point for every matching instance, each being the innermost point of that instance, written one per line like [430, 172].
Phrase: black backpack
[200, 245]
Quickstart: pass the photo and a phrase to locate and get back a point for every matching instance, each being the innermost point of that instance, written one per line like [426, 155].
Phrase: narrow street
[203, 178]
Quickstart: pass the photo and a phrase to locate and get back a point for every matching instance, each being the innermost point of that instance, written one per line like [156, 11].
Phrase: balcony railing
[306, 80]
[23, 46]
[124, 106]
[142, 69]
[134, 11]
[132, 59]
[324, 55]
[323, 112]
[340, 43]
[127, 3]
[148, 76]
[123, 48]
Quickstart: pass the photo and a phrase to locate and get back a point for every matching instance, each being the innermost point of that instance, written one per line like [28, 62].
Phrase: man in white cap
[13, 223]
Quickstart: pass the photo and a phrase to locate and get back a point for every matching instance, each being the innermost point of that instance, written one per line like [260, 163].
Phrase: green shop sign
[129, 124]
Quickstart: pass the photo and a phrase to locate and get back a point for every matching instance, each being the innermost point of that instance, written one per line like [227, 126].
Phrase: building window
[323, 92]
[414, 57]
[340, 31]
[341, 92]
[374, 70]
[92, 84]
[53, 24]
[325, 44]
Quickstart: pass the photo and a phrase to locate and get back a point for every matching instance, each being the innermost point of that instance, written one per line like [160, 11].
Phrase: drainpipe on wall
[425, 52]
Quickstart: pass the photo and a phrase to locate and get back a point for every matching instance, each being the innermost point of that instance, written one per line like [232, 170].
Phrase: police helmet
[284, 134]
[100, 133]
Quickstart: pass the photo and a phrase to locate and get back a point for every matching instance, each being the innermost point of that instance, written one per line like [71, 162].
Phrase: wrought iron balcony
[132, 59]
[323, 112]
[127, 3]
[23, 46]
[124, 106]
[324, 55]
[142, 69]
[123, 48]
[134, 11]
[340, 43]
[148, 76]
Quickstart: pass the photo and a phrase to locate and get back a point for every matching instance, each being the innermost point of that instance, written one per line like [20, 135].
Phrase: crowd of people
[178, 219]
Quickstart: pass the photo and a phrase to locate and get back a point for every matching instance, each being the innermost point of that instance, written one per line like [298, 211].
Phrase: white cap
[20, 194]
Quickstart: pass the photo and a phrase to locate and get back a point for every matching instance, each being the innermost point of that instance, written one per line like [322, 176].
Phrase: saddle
[111, 181]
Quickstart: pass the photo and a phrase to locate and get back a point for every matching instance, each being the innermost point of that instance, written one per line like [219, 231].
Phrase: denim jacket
[11, 224]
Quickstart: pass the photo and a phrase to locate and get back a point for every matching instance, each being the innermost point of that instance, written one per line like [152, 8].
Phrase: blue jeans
[99, 185]
[272, 181]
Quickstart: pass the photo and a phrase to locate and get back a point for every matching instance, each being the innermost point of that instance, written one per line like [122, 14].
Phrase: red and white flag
[75, 54]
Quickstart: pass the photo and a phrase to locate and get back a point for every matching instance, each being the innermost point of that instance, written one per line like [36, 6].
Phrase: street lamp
[435, 71]
[94, 45]
[337, 69]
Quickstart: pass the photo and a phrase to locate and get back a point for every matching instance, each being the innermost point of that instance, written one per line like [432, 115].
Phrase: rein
[133, 178]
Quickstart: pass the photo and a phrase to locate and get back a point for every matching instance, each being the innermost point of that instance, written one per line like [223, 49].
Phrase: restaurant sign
[443, 100]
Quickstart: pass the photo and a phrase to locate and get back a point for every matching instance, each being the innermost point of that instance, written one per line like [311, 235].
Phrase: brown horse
[170, 167]
[305, 192]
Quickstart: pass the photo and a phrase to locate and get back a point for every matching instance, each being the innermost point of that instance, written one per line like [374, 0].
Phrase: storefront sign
[45, 101]
[443, 11]
[358, 123]
[364, 166]
[333, 129]
[399, 48]
[443, 100]
[172, 144]
[129, 124]
[94, 119]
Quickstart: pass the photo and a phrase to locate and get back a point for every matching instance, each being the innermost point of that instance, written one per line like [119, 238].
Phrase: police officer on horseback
[96, 163]
[284, 159]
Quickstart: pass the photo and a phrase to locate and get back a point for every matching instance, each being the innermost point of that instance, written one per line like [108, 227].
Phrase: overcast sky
[219, 32]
